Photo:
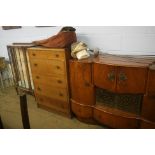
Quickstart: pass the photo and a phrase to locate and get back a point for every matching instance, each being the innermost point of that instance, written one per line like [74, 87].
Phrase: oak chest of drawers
[49, 69]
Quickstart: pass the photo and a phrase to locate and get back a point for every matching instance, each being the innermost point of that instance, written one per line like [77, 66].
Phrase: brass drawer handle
[35, 65]
[59, 81]
[39, 89]
[33, 54]
[57, 55]
[37, 77]
[111, 76]
[122, 77]
[58, 67]
[60, 94]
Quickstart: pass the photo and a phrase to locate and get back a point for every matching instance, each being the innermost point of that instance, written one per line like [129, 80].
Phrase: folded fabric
[76, 47]
[82, 54]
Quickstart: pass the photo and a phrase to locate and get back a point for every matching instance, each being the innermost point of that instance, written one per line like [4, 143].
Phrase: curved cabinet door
[131, 80]
[82, 90]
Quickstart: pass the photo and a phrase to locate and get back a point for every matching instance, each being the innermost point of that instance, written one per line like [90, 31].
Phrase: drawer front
[51, 103]
[82, 111]
[48, 67]
[58, 82]
[115, 121]
[104, 76]
[44, 54]
[53, 92]
[131, 80]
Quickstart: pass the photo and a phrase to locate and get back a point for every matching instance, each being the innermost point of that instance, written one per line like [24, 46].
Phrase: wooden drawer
[52, 92]
[52, 104]
[46, 54]
[82, 111]
[58, 82]
[115, 121]
[48, 67]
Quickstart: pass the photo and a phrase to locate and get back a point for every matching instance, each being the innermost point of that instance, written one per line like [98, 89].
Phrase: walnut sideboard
[115, 91]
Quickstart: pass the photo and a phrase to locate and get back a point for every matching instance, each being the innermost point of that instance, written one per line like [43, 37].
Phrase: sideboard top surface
[118, 60]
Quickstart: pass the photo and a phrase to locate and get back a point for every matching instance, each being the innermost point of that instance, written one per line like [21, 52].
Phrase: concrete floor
[39, 118]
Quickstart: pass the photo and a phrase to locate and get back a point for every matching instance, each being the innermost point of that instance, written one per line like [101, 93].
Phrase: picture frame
[10, 27]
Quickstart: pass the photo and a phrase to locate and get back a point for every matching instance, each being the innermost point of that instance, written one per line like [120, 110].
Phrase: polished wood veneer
[49, 69]
[131, 79]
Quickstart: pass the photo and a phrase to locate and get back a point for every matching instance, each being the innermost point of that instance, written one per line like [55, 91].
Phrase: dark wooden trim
[1, 124]
[24, 112]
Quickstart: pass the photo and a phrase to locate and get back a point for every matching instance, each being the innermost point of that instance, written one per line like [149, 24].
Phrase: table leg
[24, 112]
[1, 80]
[1, 124]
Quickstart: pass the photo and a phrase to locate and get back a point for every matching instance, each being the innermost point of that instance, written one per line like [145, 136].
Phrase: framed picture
[10, 27]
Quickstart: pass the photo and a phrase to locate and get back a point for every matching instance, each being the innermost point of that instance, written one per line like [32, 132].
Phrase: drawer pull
[57, 55]
[37, 77]
[60, 94]
[122, 77]
[33, 54]
[111, 76]
[58, 67]
[39, 89]
[59, 81]
[35, 65]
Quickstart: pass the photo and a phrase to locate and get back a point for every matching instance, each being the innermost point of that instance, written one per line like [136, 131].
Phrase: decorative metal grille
[126, 102]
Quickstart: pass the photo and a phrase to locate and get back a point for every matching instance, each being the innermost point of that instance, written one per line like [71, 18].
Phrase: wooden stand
[24, 112]
[1, 124]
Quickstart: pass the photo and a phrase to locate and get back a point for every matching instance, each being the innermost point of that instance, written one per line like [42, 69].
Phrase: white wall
[111, 39]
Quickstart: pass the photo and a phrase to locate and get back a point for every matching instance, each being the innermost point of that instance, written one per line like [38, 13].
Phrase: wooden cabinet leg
[24, 112]
[1, 124]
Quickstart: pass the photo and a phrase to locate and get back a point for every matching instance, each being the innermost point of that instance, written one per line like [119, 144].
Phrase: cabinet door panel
[148, 108]
[82, 90]
[131, 80]
[151, 83]
[105, 76]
